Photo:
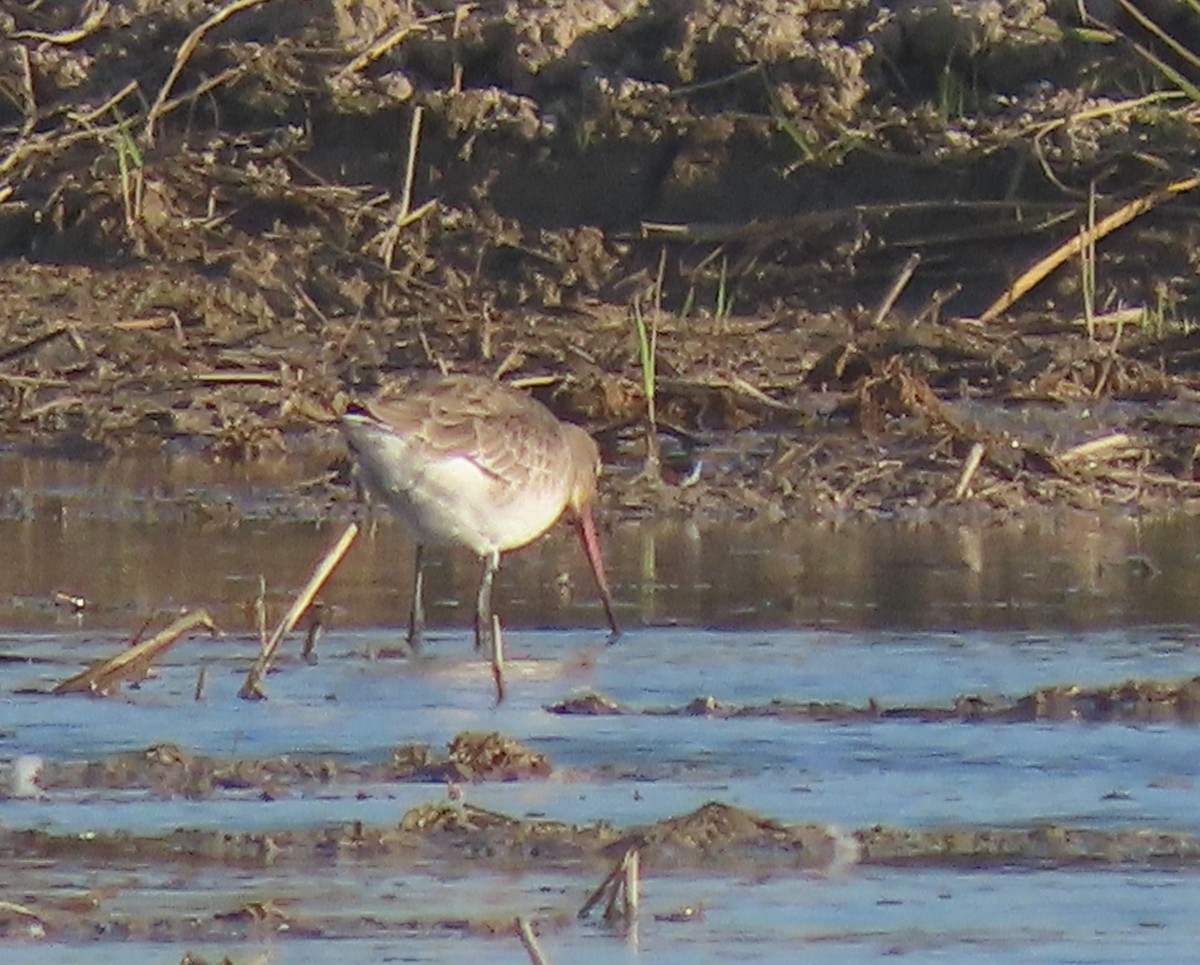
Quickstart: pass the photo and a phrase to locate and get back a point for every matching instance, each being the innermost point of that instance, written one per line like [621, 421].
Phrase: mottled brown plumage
[468, 460]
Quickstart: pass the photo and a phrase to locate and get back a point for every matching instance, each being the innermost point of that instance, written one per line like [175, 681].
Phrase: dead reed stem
[252, 689]
[970, 467]
[618, 892]
[133, 661]
[529, 940]
[893, 293]
[1106, 226]
[498, 659]
[186, 49]
[1112, 446]
[410, 168]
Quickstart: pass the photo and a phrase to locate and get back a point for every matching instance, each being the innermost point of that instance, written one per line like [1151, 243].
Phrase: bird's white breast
[449, 498]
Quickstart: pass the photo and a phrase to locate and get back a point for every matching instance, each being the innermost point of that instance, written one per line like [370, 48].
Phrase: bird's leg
[416, 617]
[483, 605]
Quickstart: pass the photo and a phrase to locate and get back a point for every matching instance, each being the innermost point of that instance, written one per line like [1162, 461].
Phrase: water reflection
[137, 537]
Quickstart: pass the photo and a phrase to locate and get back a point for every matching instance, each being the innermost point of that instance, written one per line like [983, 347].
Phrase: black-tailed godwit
[470, 461]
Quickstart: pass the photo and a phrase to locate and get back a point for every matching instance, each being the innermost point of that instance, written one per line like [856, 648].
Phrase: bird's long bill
[586, 524]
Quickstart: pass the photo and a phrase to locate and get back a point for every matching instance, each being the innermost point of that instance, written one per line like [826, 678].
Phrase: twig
[619, 888]
[1119, 317]
[498, 659]
[67, 37]
[133, 661]
[410, 168]
[97, 112]
[1109, 109]
[1165, 38]
[1108, 447]
[653, 448]
[390, 237]
[416, 215]
[456, 74]
[27, 95]
[54, 141]
[72, 601]
[632, 865]
[970, 467]
[742, 387]
[30, 344]
[12, 908]
[601, 892]
[392, 38]
[238, 377]
[260, 611]
[529, 940]
[898, 286]
[930, 310]
[252, 689]
[738, 385]
[62, 402]
[211, 83]
[1106, 226]
[312, 636]
[185, 52]
[148, 323]
[26, 147]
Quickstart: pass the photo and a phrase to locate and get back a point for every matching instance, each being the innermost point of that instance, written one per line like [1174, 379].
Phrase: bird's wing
[512, 438]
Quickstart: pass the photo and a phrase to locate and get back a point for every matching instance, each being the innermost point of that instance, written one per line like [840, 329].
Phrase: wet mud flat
[692, 228]
[378, 799]
[461, 841]
[451, 841]
[454, 839]
[223, 220]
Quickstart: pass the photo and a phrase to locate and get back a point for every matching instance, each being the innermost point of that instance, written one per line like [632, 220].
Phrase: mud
[1131, 702]
[216, 231]
[221, 221]
[168, 770]
[715, 838]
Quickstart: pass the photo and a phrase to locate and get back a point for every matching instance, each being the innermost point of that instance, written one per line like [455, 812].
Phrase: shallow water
[901, 614]
[929, 915]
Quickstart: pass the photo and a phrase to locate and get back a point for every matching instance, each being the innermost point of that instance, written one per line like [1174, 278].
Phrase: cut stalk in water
[252, 689]
[647, 333]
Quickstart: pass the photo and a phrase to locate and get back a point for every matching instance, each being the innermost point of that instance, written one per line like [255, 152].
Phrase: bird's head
[585, 464]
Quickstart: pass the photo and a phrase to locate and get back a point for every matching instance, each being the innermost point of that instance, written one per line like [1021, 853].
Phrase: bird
[470, 461]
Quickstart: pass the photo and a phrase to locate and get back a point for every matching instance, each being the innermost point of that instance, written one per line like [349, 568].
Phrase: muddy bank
[221, 222]
[169, 770]
[1131, 702]
[716, 839]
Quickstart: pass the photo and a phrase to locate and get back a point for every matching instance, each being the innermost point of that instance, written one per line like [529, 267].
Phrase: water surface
[899, 613]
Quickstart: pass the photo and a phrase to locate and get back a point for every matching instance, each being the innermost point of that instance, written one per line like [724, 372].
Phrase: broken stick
[252, 689]
[498, 659]
[133, 661]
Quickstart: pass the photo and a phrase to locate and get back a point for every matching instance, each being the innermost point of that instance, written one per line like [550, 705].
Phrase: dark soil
[169, 771]
[216, 234]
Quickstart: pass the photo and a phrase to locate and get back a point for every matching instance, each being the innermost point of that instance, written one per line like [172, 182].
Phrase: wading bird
[467, 460]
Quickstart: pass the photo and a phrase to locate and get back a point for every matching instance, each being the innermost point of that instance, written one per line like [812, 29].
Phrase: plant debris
[220, 237]
[169, 770]
[1131, 702]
